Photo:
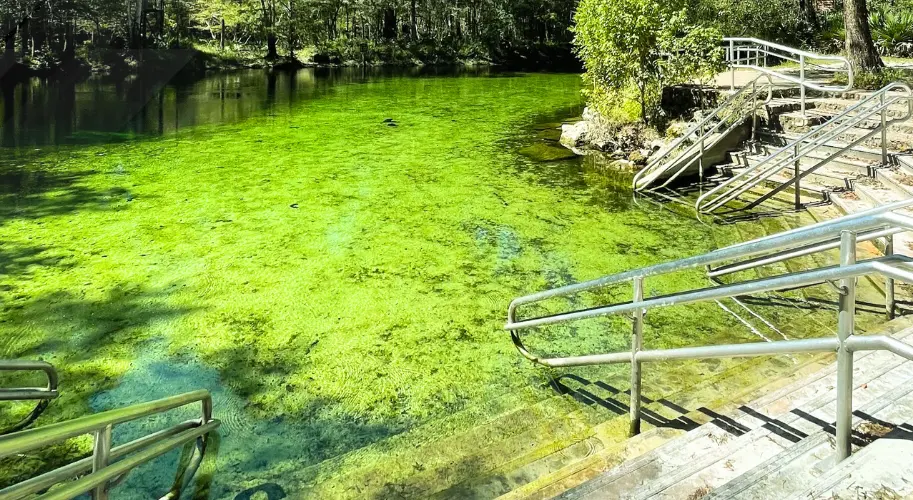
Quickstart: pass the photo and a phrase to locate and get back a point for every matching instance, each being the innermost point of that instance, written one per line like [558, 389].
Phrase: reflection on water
[40, 113]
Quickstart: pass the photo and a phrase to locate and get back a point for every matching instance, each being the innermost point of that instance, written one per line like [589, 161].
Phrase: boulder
[574, 134]
[677, 128]
[679, 100]
[637, 158]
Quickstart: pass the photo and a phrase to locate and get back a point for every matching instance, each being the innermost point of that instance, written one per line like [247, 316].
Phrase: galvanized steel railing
[691, 146]
[108, 466]
[750, 53]
[845, 233]
[753, 53]
[43, 395]
[874, 108]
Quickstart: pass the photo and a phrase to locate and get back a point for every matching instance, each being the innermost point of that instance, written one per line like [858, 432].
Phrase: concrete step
[876, 193]
[520, 444]
[881, 470]
[897, 179]
[755, 380]
[663, 412]
[787, 432]
[862, 167]
[437, 464]
[904, 162]
[898, 140]
[789, 471]
[807, 461]
[661, 468]
[872, 155]
[836, 106]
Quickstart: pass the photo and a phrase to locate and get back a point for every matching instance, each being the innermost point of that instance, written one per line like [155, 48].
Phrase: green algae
[339, 284]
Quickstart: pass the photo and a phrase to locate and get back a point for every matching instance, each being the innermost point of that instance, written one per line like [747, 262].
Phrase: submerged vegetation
[334, 280]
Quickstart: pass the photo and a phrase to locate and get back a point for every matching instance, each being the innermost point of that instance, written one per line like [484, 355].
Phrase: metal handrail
[848, 231]
[702, 131]
[809, 143]
[745, 52]
[43, 395]
[739, 55]
[104, 472]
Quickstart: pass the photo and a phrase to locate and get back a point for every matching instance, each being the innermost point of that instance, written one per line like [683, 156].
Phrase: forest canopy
[330, 31]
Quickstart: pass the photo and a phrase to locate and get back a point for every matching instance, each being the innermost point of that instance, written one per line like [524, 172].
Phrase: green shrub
[636, 47]
[892, 31]
[874, 80]
[775, 20]
[831, 34]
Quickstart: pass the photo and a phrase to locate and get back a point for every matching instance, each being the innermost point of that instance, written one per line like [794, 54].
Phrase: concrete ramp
[686, 165]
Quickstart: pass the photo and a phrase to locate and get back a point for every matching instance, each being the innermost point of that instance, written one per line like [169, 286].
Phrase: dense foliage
[631, 49]
[892, 30]
[333, 31]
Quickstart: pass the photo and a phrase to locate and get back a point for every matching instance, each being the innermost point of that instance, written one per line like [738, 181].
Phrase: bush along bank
[629, 145]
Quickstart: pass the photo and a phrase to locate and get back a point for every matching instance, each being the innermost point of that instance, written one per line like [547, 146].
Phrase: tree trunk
[414, 21]
[389, 24]
[69, 50]
[859, 46]
[161, 20]
[24, 37]
[9, 42]
[808, 10]
[222, 36]
[271, 52]
[292, 35]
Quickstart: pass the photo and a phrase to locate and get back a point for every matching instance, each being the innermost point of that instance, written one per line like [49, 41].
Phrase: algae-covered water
[331, 254]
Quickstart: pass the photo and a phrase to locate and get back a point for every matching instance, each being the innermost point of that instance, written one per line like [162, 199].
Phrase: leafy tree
[642, 45]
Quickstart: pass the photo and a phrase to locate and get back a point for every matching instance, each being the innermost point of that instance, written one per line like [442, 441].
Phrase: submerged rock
[542, 151]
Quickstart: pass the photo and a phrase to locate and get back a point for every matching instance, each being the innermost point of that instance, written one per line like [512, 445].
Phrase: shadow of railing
[870, 429]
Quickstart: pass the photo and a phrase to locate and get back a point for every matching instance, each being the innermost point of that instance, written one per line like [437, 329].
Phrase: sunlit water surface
[330, 253]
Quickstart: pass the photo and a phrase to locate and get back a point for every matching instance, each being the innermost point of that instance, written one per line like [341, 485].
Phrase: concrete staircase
[856, 180]
[781, 445]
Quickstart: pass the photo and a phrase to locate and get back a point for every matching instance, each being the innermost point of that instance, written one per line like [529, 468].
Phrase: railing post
[636, 345]
[845, 329]
[797, 177]
[802, 81]
[101, 453]
[889, 282]
[754, 110]
[884, 132]
[732, 63]
[700, 158]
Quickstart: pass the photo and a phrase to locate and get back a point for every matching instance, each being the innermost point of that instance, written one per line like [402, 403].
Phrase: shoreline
[193, 63]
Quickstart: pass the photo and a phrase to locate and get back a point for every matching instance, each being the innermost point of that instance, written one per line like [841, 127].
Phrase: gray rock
[637, 158]
[573, 134]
